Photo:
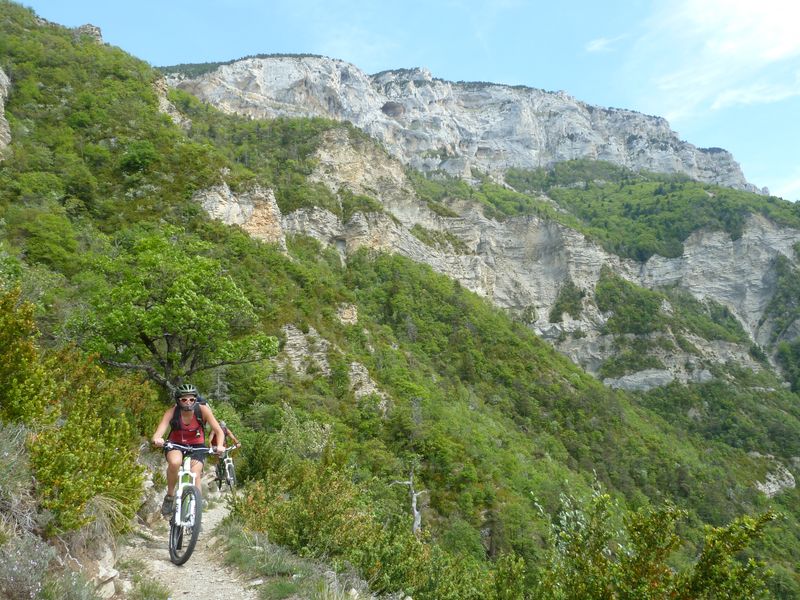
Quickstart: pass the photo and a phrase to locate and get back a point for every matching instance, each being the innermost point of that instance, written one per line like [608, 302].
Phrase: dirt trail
[204, 576]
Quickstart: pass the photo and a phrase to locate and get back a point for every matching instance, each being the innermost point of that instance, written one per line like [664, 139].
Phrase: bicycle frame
[186, 478]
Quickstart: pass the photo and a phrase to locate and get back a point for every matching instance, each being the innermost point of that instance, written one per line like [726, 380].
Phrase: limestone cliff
[5, 131]
[433, 124]
[521, 263]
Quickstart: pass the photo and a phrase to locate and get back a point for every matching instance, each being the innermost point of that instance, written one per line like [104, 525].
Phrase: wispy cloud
[603, 44]
[712, 54]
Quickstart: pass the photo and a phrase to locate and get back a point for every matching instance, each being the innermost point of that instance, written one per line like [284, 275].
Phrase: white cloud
[712, 54]
[603, 44]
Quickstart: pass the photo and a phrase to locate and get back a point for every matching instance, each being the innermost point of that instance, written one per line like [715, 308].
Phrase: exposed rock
[5, 130]
[305, 351]
[255, 210]
[736, 273]
[105, 573]
[93, 31]
[641, 381]
[363, 385]
[433, 124]
[521, 263]
[347, 314]
[168, 108]
[776, 481]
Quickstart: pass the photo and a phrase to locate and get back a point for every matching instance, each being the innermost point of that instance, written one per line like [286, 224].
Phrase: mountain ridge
[432, 124]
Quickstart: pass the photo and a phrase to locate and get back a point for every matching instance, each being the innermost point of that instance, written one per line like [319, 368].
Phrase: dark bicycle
[226, 472]
[184, 526]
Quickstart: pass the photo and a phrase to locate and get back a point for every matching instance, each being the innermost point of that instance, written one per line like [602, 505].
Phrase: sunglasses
[188, 399]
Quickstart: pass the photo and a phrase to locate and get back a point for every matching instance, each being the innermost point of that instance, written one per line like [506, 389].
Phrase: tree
[170, 311]
[589, 557]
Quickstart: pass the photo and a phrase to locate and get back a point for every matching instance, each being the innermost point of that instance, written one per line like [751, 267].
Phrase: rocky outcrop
[642, 380]
[5, 130]
[736, 273]
[92, 31]
[305, 352]
[167, 107]
[433, 124]
[777, 479]
[254, 210]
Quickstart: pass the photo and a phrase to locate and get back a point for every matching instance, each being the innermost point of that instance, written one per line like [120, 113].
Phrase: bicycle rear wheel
[183, 534]
[230, 475]
[219, 476]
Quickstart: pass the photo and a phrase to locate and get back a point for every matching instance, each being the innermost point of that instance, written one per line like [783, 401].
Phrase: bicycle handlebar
[174, 446]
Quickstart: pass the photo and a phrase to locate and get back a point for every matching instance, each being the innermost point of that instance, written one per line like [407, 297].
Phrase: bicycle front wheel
[230, 475]
[185, 526]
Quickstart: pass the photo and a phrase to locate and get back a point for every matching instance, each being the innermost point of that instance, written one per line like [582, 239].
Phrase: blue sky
[724, 73]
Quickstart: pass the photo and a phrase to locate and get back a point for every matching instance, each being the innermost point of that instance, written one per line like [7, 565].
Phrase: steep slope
[386, 366]
[431, 124]
[523, 264]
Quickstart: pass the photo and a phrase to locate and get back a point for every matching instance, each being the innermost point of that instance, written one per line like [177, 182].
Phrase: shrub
[89, 455]
[23, 563]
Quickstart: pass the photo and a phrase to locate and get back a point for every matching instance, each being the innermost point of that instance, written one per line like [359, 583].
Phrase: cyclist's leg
[174, 459]
[197, 469]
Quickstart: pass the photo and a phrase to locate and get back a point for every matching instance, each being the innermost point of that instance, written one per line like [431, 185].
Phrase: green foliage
[708, 319]
[489, 413]
[89, 456]
[325, 514]
[638, 215]
[784, 306]
[277, 154]
[441, 240]
[568, 301]
[27, 393]
[635, 309]
[744, 410]
[357, 203]
[170, 311]
[630, 360]
[789, 359]
[590, 557]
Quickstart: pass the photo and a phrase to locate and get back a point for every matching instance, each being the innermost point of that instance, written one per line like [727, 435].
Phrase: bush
[23, 563]
[89, 455]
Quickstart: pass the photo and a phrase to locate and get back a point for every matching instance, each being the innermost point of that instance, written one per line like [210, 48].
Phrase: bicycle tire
[189, 503]
[219, 477]
[230, 475]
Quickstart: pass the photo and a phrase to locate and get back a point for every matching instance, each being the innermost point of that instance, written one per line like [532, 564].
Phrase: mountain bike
[184, 526]
[226, 472]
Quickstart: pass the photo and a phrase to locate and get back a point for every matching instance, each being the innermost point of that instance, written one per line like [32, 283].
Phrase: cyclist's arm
[219, 437]
[158, 436]
[233, 437]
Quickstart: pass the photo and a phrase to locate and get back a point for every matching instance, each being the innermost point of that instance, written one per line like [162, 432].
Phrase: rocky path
[204, 576]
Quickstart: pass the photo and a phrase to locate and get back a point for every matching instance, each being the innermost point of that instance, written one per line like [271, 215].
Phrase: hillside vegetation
[537, 478]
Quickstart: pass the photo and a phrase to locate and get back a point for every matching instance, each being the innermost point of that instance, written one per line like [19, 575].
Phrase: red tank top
[193, 433]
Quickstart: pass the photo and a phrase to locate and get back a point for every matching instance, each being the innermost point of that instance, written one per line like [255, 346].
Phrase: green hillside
[538, 479]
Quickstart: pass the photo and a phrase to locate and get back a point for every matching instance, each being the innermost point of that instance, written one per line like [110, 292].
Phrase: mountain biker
[186, 421]
[228, 434]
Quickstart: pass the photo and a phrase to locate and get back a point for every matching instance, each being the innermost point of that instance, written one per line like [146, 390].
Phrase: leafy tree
[590, 557]
[170, 311]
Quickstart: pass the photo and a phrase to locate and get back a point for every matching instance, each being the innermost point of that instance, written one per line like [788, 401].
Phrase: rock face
[5, 130]
[432, 124]
[521, 263]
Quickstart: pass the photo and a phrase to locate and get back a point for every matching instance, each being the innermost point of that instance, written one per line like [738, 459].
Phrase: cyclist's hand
[220, 449]
[158, 442]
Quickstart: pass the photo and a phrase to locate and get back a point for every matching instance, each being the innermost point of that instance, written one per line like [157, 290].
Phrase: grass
[144, 588]
[284, 574]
